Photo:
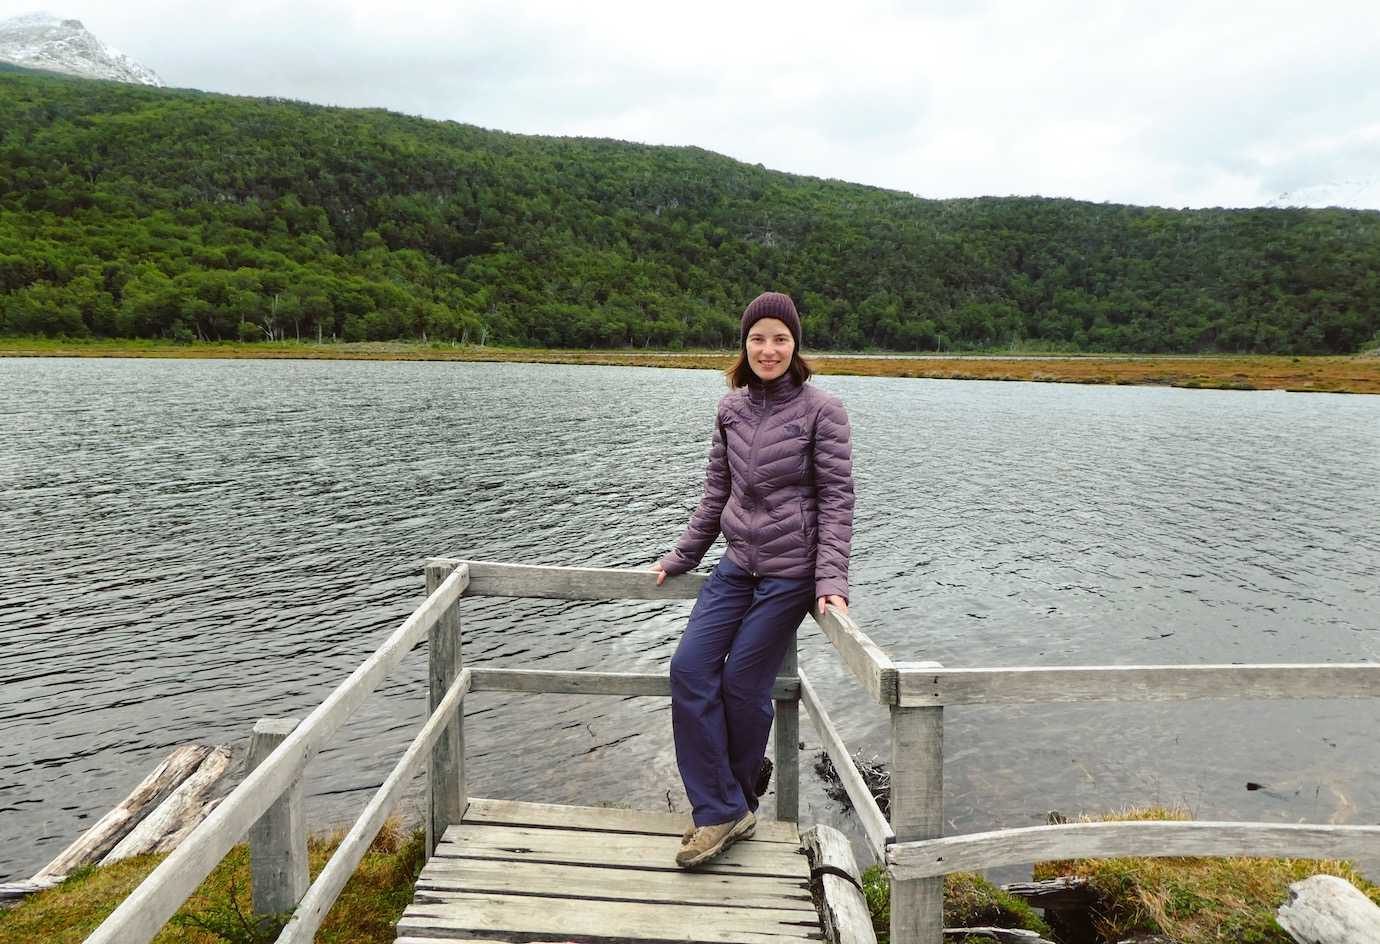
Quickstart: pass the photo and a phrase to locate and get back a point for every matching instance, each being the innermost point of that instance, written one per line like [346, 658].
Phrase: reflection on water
[189, 545]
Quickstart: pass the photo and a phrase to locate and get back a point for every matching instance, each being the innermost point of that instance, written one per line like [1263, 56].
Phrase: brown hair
[740, 373]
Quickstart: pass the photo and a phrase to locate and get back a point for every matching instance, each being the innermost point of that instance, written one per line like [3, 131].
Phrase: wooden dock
[527, 872]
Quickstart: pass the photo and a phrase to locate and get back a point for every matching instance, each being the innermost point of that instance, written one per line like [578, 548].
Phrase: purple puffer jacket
[780, 488]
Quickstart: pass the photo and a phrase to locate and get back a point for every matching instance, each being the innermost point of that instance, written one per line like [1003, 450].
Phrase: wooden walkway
[534, 872]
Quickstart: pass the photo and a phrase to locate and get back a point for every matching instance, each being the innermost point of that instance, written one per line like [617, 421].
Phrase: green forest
[128, 211]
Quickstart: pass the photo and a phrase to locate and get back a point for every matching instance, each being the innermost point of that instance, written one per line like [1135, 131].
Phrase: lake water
[186, 546]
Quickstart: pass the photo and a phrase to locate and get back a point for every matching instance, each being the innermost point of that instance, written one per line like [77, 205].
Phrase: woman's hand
[660, 573]
[834, 600]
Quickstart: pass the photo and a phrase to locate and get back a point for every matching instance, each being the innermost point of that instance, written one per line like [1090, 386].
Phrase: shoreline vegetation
[1193, 900]
[1359, 373]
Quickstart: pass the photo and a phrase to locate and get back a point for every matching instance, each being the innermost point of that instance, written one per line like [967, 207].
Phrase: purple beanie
[772, 305]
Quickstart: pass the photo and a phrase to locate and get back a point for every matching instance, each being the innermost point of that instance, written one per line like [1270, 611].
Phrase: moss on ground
[1194, 900]
[969, 901]
[366, 912]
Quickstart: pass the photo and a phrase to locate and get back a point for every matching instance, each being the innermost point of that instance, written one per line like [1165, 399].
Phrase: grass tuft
[366, 912]
[1193, 900]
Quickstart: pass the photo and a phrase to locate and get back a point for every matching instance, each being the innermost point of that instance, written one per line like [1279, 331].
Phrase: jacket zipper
[766, 412]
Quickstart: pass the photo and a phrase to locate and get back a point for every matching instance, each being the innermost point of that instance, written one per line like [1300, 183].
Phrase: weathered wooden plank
[786, 741]
[1054, 894]
[187, 804]
[481, 876]
[1325, 909]
[582, 682]
[863, 658]
[573, 583]
[140, 916]
[97, 841]
[12, 893]
[278, 839]
[515, 843]
[847, 919]
[445, 780]
[936, 857]
[917, 812]
[311, 911]
[606, 819]
[566, 920]
[172, 840]
[1097, 683]
[995, 935]
[878, 830]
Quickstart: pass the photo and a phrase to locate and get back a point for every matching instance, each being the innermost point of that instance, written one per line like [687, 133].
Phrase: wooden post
[787, 739]
[445, 780]
[917, 810]
[278, 840]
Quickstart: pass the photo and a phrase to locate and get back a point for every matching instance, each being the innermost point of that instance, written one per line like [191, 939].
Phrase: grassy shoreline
[1324, 374]
[1193, 900]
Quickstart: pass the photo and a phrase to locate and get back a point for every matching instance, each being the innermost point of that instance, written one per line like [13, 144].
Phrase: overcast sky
[1173, 103]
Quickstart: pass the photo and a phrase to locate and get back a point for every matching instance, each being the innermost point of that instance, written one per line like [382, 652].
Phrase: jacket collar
[782, 390]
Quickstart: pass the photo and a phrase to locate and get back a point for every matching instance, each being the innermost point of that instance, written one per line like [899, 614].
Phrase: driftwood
[842, 905]
[94, 844]
[1000, 935]
[12, 893]
[1060, 893]
[1326, 909]
[179, 813]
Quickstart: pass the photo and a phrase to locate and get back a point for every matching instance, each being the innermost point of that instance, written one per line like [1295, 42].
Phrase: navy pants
[721, 681]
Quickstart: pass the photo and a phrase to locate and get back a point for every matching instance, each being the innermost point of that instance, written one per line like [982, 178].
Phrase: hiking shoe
[763, 777]
[706, 842]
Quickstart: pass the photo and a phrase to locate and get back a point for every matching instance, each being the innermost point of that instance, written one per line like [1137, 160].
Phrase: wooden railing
[268, 804]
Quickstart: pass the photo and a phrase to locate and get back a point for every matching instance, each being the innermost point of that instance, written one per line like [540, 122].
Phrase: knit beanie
[772, 305]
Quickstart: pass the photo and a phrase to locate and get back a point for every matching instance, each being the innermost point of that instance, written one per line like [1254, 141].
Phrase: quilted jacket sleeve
[704, 523]
[834, 489]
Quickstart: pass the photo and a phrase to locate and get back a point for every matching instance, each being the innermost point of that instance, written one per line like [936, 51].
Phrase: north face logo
[792, 429]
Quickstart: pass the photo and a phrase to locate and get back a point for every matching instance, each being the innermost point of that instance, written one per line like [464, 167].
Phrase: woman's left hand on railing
[834, 600]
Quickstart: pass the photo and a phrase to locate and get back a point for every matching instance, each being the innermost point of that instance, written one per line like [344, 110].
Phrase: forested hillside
[141, 212]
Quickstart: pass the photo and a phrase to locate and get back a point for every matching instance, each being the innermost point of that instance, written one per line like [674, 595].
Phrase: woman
[780, 488]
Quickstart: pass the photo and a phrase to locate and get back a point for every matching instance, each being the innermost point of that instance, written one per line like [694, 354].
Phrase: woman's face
[769, 348]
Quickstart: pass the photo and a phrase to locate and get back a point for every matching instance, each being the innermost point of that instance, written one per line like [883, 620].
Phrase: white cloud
[1175, 103]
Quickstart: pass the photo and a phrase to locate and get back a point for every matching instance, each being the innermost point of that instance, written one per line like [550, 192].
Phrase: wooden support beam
[572, 583]
[917, 812]
[878, 830]
[862, 657]
[786, 738]
[936, 857]
[278, 840]
[312, 909]
[847, 919]
[446, 772]
[144, 912]
[921, 687]
[581, 682]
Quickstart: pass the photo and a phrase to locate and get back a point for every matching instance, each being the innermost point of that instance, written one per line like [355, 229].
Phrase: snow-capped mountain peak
[1358, 193]
[45, 41]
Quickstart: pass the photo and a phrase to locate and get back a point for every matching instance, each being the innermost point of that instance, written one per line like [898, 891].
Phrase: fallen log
[179, 813]
[11, 893]
[1326, 909]
[93, 845]
[843, 907]
[1066, 891]
[170, 842]
[1000, 935]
